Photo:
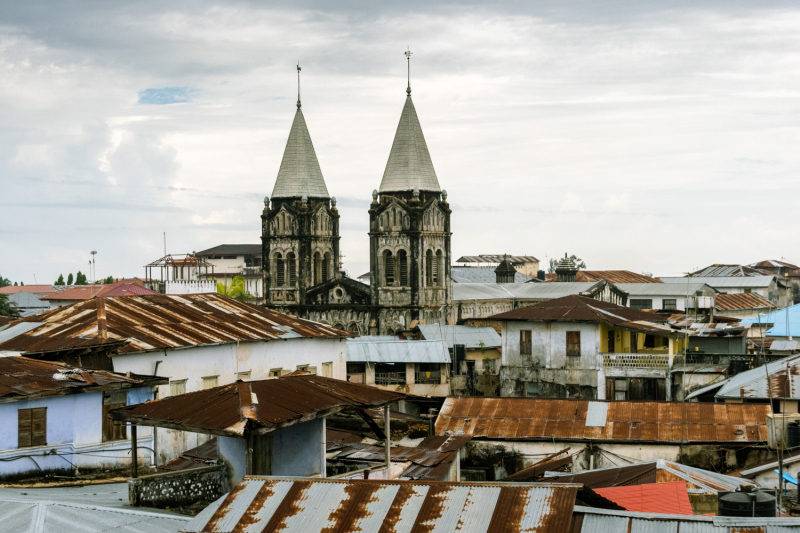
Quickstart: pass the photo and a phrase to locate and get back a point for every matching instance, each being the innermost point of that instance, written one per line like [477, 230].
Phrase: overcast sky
[646, 136]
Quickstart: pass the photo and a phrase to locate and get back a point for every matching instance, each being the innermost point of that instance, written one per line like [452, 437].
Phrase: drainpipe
[324, 442]
[134, 453]
[388, 433]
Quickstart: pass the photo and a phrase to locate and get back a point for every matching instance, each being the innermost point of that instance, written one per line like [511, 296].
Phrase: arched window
[402, 260]
[292, 260]
[388, 267]
[326, 264]
[429, 268]
[317, 268]
[280, 271]
[438, 269]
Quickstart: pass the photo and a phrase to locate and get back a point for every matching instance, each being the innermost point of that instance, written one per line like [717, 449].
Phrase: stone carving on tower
[409, 230]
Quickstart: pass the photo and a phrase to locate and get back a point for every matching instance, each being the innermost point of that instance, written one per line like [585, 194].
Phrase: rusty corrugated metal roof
[717, 270]
[234, 409]
[547, 419]
[288, 505]
[163, 321]
[614, 276]
[21, 378]
[496, 258]
[745, 300]
[576, 308]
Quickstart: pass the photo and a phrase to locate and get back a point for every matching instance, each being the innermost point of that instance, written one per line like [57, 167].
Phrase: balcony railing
[428, 377]
[390, 378]
[635, 360]
[251, 271]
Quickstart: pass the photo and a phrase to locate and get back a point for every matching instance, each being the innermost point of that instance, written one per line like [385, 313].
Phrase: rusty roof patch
[614, 276]
[737, 301]
[576, 308]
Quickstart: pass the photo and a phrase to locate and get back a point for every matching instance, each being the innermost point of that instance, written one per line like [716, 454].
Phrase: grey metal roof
[468, 274]
[602, 520]
[776, 380]
[56, 517]
[662, 289]
[231, 249]
[306, 505]
[499, 291]
[18, 329]
[466, 335]
[722, 282]
[596, 414]
[400, 351]
[496, 258]
[409, 166]
[299, 173]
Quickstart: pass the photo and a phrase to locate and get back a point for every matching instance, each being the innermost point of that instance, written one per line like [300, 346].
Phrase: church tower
[300, 226]
[409, 235]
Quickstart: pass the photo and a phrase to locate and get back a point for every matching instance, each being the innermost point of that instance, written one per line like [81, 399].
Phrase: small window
[670, 304]
[114, 429]
[748, 291]
[275, 372]
[525, 346]
[177, 386]
[573, 344]
[642, 304]
[649, 341]
[402, 260]
[327, 370]
[243, 376]
[31, 427]
[532, 390]
[209, 382]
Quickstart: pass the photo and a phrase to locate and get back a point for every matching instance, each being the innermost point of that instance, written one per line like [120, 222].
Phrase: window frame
[207, 380]
[635, 303]
[526, 345]
[32, 414]
[573, 347]
[178, 383]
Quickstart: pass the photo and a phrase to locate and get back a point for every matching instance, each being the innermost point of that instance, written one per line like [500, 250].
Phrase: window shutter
[39, 426]
[24, 428]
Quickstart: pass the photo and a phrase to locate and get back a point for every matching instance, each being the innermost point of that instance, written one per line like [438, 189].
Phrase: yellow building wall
[622, 342]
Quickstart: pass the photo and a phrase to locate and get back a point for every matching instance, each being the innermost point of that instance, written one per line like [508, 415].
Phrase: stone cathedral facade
[409, 239]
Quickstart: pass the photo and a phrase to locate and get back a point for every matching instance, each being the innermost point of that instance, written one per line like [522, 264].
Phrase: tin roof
[399, 351]
[231, 249]
[662, 289]
[772, 263]
[717, 270]
[722, 282]
[594, 520]
[579, 309]
[471, 337]
[547, 419]
[49, 517]
[36, 289]
[305, 505]
[22, 378]
[769, 465]
[785, 321]
[299, 173]
[778, 379]
[745, 300]
[160, 322]
[614, 276]
[85, 292]
[663, 498]
[496, 258]
[520, 291]
[409, 166]
[236, 408]
[476, 274]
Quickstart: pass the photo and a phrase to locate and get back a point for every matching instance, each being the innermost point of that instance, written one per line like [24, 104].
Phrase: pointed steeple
[299, 173]
[409, 166]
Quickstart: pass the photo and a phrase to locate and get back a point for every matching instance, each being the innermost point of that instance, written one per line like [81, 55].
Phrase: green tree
[80, 279]
[109, 280]
[70, 279]
[575, 259]
[234, 290]
[16, 284]
[4, 282]
[7, 307]
[60, 280]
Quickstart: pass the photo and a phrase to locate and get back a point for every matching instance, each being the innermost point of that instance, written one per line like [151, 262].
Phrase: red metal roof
[36, 289]
[21, 378]
[126, 289]
[268, 404]
[614, 276]
[663, 498]
[162, 321]
[547, 419]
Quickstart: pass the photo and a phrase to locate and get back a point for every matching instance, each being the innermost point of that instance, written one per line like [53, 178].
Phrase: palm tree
[7, 307]
[235, 290]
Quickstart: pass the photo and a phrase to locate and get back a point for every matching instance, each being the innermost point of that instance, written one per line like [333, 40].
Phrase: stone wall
[178, 489]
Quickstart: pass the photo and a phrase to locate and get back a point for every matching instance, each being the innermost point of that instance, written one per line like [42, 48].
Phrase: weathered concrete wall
[178, 489]
[296, 449]
[233, 454]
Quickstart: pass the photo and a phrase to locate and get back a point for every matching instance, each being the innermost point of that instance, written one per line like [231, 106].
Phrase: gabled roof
[470, 337]
[231, 249]
[614, 276]
[476, 274]
[22, 378]
[361, 350]
[579, 309]
[365, 505]
[726, 281]
[36, 289]
[587, 420]
[158, 322]
[662, 289]
[778, 379]
[299, 173]
[772, 263]
[409, 166]
[265, 405]
[717, 270]
[737, 301]
[664, 498]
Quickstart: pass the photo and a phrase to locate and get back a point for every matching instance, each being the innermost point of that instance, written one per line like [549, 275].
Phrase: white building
[231, 260]
[669, 296]
[769, 287]
[198, 341]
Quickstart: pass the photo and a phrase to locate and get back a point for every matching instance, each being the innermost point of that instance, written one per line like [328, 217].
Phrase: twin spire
[409, 166]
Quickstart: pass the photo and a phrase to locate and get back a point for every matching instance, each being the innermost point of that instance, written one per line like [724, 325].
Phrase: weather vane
[298, 85]
[407, 53]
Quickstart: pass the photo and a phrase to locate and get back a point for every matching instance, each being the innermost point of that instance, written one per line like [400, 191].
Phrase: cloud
[617, 203]
[572, 203]
[164, 96]
[228, 216]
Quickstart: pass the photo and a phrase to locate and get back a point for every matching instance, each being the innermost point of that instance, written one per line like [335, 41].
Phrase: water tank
[738, 365]
[793, 434]
[752, 504]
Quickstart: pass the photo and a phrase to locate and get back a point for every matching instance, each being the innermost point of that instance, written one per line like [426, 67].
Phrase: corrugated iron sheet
[159, 322]
[531, 418]
[495, 258]
[745, 300]
[778, 379]
[481, 274]
[271, 504]
[580, 309]
[267, 404]
[470, 337]
[614, 276]
[397, 351]
[592, 520]
[717, 270]
[21, 377]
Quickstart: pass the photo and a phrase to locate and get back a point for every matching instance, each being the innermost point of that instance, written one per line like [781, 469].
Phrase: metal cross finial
[407, 53]
[298, 85]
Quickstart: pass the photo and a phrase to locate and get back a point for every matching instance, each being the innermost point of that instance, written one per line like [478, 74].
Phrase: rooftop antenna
[407, 53]
[298, 85]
